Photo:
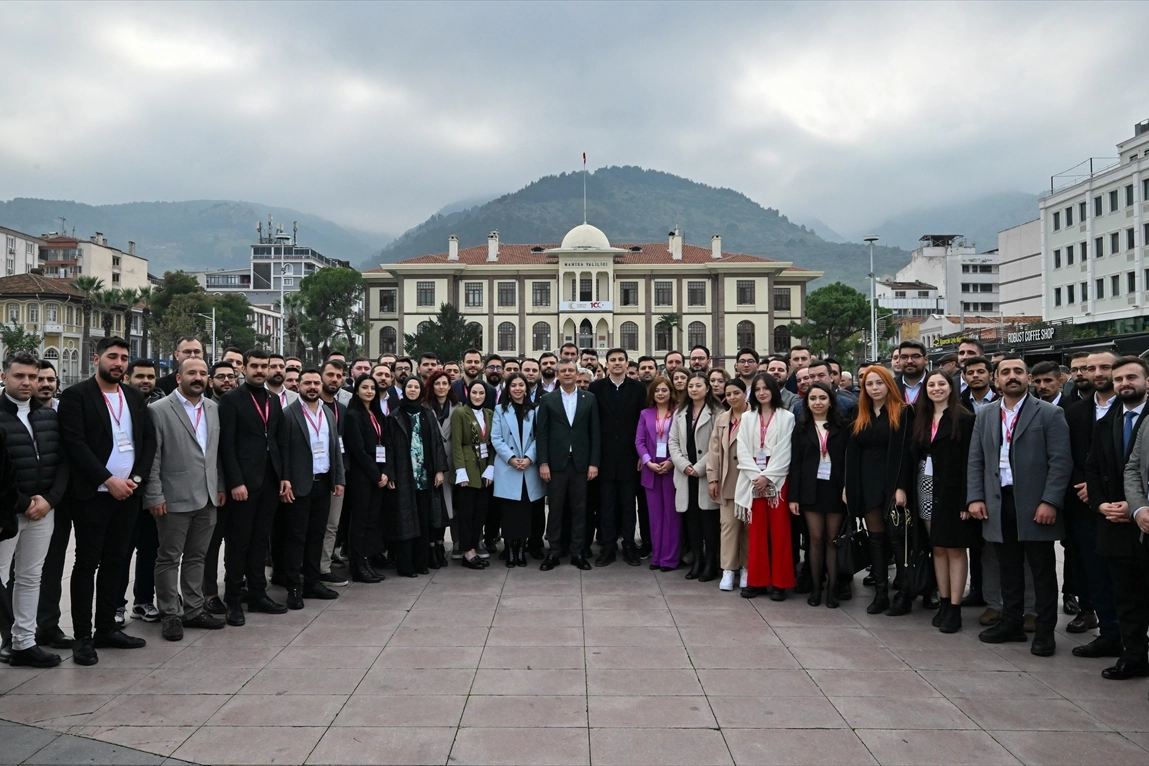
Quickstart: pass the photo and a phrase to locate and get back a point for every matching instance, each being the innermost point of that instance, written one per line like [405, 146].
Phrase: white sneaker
[742, 581]
[146, 612]
[727, 580]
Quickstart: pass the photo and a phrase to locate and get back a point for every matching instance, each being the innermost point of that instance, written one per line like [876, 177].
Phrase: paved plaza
[614, 666]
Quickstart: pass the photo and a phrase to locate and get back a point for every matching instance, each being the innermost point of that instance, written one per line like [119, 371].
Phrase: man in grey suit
[185, 488]
[1019, 469]
[312, 474]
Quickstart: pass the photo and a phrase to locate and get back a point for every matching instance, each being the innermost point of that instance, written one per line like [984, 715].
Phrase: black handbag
[920, 564]
[852, 547]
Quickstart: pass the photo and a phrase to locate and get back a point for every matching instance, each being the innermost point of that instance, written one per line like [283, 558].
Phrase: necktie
[1130, 417]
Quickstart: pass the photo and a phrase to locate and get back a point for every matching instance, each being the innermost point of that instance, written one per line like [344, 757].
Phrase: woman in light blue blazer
[517, 481]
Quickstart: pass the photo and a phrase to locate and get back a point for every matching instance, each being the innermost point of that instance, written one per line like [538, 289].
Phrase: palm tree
[144, 298]
[129, 296]
[107, 301]
[89, 286]
[671, 322]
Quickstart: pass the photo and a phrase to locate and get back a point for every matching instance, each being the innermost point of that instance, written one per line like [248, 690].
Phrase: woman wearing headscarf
[440, 397]
[473, 457]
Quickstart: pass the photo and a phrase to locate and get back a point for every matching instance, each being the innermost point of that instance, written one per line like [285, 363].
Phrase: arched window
[506, 337]
[388, 341]
[422, 326]
[781, 339]
[585, 334]
[696, 334]
[628, 336]
[542, 336]
[661, 338]
[52, 355]
[746, 334]
[477, 341]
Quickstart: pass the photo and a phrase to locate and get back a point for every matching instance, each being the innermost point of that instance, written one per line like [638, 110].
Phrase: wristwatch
[138, 479]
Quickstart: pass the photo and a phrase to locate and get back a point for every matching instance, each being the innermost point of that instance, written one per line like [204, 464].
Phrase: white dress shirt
[320, 442]
[196, 417]
[120, 462]
[570, 404]
[1006, 426]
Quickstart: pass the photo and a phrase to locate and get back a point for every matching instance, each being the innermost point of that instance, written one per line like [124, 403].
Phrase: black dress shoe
[1070, 605]
[900, 605]
[1099, 647]
[361, 571]
[265, 605]
[473, 563]
[630, 555]
[777, 594]
[84, 652]
[55, 638]
[974, 599]
[6, 651]
[320, 591]
[214, 605]
[1082, 623]
[581, 563]
[750, 592]
[549, 563]
[294, 598]
[1121, 671]
[667, 569]
[235, 617]
[831, 599]
[695, 570]
[34, 657]
[654, 567]
[815, 598]
[1043, 645]
[1002, 633]
[868, 580]
[205, 621]
[171, 628]
[606, 557]
[117, 639]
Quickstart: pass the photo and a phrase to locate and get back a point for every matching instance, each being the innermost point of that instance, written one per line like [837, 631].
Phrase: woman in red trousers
[760, 495]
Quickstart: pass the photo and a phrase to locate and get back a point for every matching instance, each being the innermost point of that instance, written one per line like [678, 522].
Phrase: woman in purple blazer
[653, 444]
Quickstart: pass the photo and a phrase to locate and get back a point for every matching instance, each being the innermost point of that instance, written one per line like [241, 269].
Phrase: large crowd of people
[782, 476]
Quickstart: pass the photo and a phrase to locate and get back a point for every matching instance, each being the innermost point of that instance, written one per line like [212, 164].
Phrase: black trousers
[411, 555]
[538, 523]
[52, 575]
[471, 507]
[705, 530]
[362, 511]
[305, 524]
[617, 511]
[211, 557]
[103, 543]
[1097, 593]
[146, 544]
[1130, 576]
[492, 521]
[566, 495]
[248, 532]
[1011, 557]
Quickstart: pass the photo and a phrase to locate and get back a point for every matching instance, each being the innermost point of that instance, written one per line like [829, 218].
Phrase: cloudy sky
[377, 115]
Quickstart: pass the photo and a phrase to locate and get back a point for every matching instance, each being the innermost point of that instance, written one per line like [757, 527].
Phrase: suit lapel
[1028, 413]
[102, 407]
[177, 407]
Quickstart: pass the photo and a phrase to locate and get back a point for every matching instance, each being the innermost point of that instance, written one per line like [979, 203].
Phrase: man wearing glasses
[222, 380]
[187, 347]
[746, 366]
[913, 358]
[699, 359]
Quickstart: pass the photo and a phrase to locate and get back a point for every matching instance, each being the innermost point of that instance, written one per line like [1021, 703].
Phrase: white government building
[533, 298]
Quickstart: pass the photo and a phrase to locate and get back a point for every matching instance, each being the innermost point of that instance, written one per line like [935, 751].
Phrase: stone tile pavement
[614, 666]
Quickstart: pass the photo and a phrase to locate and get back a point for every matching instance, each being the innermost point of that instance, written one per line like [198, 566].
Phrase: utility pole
[873, 301]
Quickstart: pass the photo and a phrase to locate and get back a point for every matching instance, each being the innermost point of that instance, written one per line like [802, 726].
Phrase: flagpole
[584, 187]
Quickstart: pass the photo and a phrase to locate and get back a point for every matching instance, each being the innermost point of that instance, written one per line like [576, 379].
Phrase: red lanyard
[762, 427]
[198, 417]
[265, 413]
[659, 426]
[115, 416]
[482, 421]
[934, 429]
[1012, 424]
[317, 425]
[823, 440]
[283, 398]
[378, 428]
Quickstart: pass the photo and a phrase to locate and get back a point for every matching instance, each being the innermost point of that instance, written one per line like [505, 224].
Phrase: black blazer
[556, 438]
[618, 420]
[298, 466]
[950, 458]
[242, 444]
[360, 439]
[86, 427]
[1081, 421]
[805, 454]
[1105, 473]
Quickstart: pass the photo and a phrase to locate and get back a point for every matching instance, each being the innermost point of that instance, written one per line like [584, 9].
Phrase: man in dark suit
[187, 347]
[313, 472]
[569, 452]
[110, 444]
[914, 359]
[976, 375]
[1091, 575]
[251, 432]
[1118, 539]
[620, 400]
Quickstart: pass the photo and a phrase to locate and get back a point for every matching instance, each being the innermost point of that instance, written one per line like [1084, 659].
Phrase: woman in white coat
[760, 496]
[689, 445]
[517, 481]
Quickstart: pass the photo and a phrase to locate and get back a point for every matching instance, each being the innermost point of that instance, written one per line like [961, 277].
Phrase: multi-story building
[1019, 256]
[21, 251]
[64, 257]
[908, 299]
[52, 309]
[1094, 228]
[532, 298]
[966, 280]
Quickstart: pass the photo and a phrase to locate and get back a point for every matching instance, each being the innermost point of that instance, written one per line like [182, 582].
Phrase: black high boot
[943, 610]
[880, 574]
[520, 554]
[952, 621]
[512, 551]
[711, 570]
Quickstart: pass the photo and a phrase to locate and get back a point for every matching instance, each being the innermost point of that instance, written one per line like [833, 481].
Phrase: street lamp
[212, 318]
[873, 301]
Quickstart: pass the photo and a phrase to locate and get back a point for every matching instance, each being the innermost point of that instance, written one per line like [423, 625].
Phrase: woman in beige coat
[689, 442]
[722, 479]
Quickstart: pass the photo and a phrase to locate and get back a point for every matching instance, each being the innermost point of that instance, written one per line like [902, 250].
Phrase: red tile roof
[37, 284]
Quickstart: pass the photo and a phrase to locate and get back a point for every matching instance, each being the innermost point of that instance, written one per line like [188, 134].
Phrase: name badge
[929, 468]
[341, 450]
[318, 449]
[761, 459]
[124, 442]
[660, 450]
[483, 451]
[380, 454]
[824, 471]
[1003, 457]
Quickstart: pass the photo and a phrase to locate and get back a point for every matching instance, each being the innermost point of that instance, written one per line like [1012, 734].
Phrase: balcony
[53, 328]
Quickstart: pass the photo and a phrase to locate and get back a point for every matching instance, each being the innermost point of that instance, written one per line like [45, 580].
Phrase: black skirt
[828, 499]
[516, 519]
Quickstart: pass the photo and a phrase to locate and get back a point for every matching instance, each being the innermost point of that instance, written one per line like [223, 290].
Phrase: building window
[745, 292]
[1131, 282]
[899, 293]
[1057, 296]
[1098, 247]
[477, 341]
[695, 293]
[1084, 251]
[1113, 201]
[507, 293]
[781, 339]
[1069, 255]
[51, 313]
[628, 336]
[663, 293]
[696, 334]
[745, 334]
[388, 341]
[541, 293]
[586, 289]
[116, 280]
[782, 299]
[13, 312]
[33, 312]
[388, 300]
[1130, 239]
[1081, 208]
[1115, 285]
[506, 337]
[473, 295]
[661, 338]
[1084, 292]
[541, 336]
[1056, 263]
[1129, 195]
[1057, 220]
[1115, 243]
[1068, 216]
[68, 315]
[585, 334]
[1097, 206]
[1099, 289]
[425, 293]
[628, 293]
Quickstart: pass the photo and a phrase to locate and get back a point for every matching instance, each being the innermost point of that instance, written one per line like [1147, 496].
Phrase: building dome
[585, 237]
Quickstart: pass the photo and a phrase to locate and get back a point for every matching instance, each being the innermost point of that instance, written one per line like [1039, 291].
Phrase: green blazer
[466, 441]
[557, 440]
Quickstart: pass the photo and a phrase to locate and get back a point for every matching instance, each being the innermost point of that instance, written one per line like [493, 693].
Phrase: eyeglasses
[223, 377]
[911, 356]
[494, 368]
